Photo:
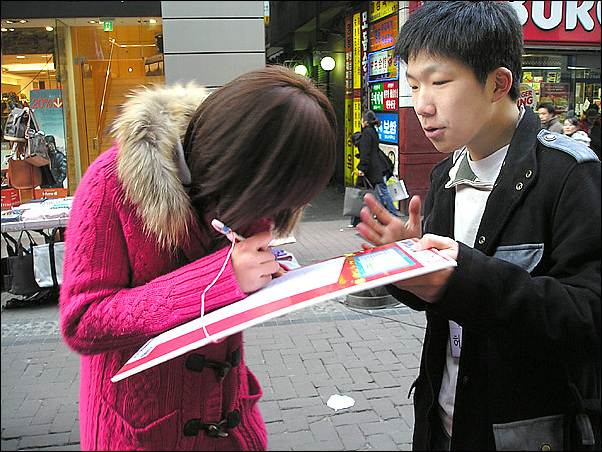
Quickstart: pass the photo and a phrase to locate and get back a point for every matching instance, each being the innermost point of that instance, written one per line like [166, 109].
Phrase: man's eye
[442, 82]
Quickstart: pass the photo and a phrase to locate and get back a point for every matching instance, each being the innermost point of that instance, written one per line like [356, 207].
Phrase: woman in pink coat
[140, 252]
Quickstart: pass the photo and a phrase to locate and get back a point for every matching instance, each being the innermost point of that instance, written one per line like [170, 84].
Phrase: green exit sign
[107, 26]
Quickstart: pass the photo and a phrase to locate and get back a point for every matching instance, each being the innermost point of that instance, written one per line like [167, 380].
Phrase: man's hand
[428, 287]
[387, 228]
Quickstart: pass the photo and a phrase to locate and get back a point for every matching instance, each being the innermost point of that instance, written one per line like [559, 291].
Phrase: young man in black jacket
[511, 355]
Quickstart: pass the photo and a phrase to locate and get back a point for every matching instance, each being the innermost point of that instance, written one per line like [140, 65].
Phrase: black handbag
[19, 278]
[17, 124]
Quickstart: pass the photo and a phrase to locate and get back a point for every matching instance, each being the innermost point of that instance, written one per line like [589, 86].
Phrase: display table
[37, 215]
[34, 225]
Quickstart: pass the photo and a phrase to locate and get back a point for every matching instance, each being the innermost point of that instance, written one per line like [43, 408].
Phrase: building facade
[73, 62]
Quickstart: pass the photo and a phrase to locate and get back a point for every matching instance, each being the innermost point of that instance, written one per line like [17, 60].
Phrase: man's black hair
[548, 106]
[482, 35]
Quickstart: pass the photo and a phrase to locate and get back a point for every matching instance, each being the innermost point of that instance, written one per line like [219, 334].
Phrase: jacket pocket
[119, 434]
[542, 433]
[526, 255]
[252, 422]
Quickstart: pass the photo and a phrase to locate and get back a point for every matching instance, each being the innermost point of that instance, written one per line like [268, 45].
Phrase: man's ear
[502, 79]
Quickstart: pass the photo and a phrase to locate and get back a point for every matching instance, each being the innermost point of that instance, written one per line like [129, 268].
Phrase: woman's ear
[502, 79]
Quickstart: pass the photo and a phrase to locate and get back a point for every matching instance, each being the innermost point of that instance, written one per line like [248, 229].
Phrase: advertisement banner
[357, 52]
[348, 100]
[47, 106]
[562, 23]
[364, 88]
[350, 151]
[527, 97]
[383, 65]
[378, 10]
[384, 95]
[555, 93]
[383, 34]
[389, 127]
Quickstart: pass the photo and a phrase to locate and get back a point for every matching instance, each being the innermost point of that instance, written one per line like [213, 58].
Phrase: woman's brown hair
[261, 146]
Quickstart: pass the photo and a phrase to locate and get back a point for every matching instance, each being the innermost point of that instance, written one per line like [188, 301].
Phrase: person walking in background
[571, 129]
[592, 128]
[511, 354]
[142, 258]
[549, 120]
[370, 165]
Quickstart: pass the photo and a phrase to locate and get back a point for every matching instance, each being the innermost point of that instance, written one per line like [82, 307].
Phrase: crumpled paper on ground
[339, 402]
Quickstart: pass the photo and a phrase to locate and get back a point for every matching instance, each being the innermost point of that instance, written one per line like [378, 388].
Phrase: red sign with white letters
[562, 23]
[390, 95]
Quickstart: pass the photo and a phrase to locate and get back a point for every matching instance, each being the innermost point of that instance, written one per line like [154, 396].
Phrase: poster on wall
[392, 151]
[555, 93]
[47, 106]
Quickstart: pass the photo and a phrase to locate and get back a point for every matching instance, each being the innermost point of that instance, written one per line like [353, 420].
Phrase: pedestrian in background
[572, 129]
[511, 355]
[549, 120]
[370, 165]
[592, 128]
[141, 257]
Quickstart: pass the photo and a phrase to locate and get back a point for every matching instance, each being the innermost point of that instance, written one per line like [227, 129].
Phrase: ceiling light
[49, 28]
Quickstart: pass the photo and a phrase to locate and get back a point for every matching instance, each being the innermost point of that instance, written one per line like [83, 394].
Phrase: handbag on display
[397, 190]
[48, 261]
[36, 151]
[19, 278]
[21, 173]
[354, 197]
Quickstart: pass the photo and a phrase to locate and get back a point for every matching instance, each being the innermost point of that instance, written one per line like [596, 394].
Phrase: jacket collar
[150, 161]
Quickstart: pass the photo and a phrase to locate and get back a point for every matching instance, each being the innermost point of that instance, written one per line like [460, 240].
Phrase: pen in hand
[223, 229]
[234, 237]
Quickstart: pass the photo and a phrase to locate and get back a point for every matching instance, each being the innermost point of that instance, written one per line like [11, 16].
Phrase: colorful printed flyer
[296, 289]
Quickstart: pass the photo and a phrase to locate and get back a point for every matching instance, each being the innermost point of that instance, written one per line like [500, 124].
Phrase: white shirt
[471, 198]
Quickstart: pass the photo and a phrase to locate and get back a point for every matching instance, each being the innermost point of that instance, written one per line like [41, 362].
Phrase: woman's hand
[387, 228]
[253, 262]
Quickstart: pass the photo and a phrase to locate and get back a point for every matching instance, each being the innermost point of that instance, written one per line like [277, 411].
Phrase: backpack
[386, 164]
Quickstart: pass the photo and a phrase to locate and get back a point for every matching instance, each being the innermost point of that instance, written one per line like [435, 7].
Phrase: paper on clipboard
[296, 289]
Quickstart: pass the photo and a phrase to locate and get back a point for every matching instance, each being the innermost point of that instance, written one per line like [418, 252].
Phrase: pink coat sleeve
[101, 309]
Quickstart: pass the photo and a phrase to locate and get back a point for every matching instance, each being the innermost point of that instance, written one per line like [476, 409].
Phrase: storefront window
[74, 74]
[570, 82]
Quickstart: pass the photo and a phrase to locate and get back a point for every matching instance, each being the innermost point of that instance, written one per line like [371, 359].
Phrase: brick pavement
[300, 359]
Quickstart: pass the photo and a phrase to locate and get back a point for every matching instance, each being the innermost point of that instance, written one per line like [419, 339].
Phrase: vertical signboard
[349, 152]
[364, 88]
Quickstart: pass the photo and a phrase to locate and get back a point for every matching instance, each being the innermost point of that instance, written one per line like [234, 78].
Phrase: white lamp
[301, 69]
[327, 63]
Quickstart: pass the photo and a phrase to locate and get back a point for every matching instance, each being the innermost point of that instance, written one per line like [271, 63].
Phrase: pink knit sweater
[119, 290]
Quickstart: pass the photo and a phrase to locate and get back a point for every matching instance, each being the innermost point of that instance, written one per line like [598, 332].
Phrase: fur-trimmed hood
[149, 130]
